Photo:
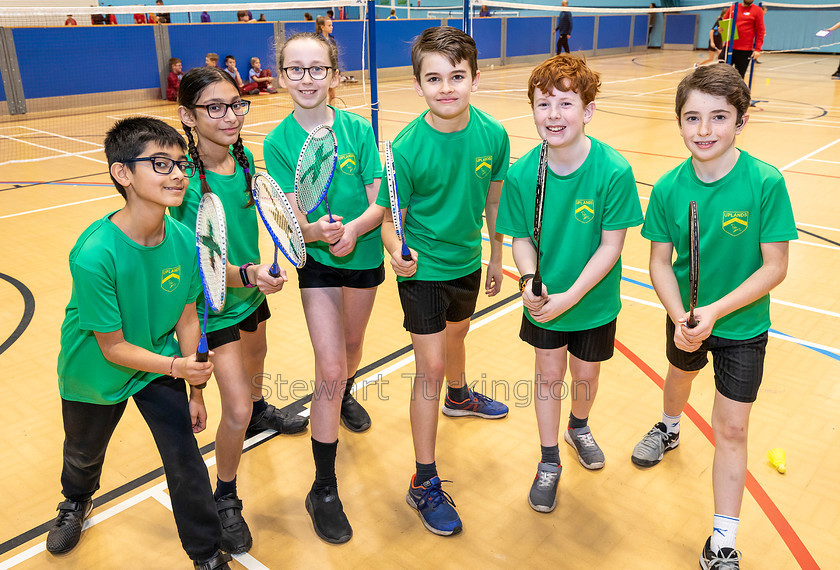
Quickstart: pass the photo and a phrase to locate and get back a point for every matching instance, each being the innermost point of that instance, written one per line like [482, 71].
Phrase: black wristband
[243, 274]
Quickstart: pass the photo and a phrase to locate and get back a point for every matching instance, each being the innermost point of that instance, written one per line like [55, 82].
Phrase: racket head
[211, 246]
[539, 203]
[315, 168]
[279, 218]
[693, 260]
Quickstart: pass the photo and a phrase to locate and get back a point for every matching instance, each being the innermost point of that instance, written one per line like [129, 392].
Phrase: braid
[193, 150]
[239, 154]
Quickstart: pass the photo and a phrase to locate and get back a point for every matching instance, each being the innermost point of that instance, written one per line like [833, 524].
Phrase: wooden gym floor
[53, 183]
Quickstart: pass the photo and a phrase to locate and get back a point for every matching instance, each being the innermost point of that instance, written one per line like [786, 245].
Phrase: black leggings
[164, 406]
[562, 42]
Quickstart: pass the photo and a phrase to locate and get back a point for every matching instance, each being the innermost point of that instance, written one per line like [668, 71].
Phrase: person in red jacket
[750, 26]
[173, 82]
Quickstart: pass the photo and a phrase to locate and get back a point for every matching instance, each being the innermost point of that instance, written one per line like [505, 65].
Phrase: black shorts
[591, 345]
[429, 305]
[230, 334]
[315, 275]
[738, 364]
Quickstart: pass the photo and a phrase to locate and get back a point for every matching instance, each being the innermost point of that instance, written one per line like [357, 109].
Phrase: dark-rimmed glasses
[163, 165]
[219, 110]
[316, 72]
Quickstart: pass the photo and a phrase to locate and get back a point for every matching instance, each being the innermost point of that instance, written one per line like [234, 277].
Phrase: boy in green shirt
[135, 283]
[590, 201]
[450, 164]
[745, 221]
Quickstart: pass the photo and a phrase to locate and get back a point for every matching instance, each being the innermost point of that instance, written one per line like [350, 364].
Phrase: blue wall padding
[394, 39]
[640, 30]
[614, 31]
[95, 59]
[191, 43]
[529, 36]
[487, 33]
[583, 33]
[679, 28]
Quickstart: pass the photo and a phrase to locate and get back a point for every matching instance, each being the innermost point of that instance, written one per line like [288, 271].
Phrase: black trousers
[741, 60]
[164, 406]
[562, 42]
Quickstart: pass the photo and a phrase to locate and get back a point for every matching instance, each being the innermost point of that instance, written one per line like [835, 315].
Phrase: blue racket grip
[274, 270]
[406, 254]
[201, 356]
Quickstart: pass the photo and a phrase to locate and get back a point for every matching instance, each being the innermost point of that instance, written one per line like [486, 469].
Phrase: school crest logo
[170, 278]
[736, 223]
[483, 166]
[347, 163]
[584, 210]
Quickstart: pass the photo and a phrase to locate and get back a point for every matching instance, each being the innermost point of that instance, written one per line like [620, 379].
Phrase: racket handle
[692, 322]
[201, 356]
[274, 270]
[406, 254]
[536, 286]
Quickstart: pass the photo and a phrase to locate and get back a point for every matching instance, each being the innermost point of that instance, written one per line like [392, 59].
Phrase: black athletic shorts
[591, 345]
[248, 324]
[429, 305]
[738, 364]
[316, 275]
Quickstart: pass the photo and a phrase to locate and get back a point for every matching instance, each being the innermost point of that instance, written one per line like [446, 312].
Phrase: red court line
[777, 519]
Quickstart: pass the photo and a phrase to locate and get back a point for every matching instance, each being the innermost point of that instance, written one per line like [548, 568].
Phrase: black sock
[224, 488]
[575, 423]
[324, 455]
[550, 454]
[458, 394]
[259, 407]
[349, 385]
[425, 471]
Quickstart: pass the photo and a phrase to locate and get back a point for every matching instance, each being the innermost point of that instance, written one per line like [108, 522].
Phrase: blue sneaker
[435, 507]
[475, 405]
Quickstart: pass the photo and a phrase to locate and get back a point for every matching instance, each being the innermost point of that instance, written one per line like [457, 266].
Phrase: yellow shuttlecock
[776, 456]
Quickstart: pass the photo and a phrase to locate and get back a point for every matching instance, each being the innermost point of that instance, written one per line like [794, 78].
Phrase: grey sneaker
[543, 495]
[653, 446]
[723, 559]
[588, 452]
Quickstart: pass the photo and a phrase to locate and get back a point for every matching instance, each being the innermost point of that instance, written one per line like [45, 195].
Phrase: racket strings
[211, 253]
[280, 220]
[314, 171]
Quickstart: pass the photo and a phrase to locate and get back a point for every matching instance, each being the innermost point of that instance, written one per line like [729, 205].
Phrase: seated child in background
[230, 68]
[211, 60]
[173, 82]
[261, 77]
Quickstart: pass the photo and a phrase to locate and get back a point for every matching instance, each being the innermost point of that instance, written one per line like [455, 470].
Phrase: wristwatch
[243, 274]
[524, 280]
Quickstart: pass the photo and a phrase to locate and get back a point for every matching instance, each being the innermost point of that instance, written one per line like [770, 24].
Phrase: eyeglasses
[219, 110]
[316, 72]
[163, 165]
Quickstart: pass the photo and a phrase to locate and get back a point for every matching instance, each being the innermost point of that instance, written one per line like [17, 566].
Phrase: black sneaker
[278, 420]
[723, 559]
[218, 561]
[836, 75]
[236, 537]
[353, 415]
[67, 528]
[328, 518]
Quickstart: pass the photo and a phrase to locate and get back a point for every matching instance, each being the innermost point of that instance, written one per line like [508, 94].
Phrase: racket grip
[274, 270]
[536, 286]
[692, 322]
[201, 356]
[406, 254]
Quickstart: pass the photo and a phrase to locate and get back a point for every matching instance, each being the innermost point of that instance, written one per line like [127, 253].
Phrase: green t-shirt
[747, 207]
[119, 284]
[358, 165]
[242, 238]
[443, 179]
[600, 195]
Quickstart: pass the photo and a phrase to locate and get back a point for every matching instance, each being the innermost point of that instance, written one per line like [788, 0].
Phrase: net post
[467, 20]
[374, 94]
[730, 42]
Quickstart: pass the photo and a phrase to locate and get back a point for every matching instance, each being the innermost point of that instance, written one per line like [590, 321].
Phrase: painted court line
[57, 207]
[809, 155]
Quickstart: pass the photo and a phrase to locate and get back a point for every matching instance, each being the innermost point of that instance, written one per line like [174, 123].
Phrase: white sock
[672, 423]
[723, 533]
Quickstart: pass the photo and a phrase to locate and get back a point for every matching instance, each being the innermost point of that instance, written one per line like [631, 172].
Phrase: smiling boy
[746, 221]
[590, 201]
[450, 163]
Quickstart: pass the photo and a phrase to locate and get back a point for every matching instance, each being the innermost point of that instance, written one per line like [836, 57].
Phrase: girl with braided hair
[212, 114]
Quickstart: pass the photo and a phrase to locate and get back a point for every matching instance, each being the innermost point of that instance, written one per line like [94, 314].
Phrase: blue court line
[647, 286]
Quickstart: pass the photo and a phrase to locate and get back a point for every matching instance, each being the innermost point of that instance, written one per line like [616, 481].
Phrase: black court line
[295, 407]
[805, 232]
[28, 311]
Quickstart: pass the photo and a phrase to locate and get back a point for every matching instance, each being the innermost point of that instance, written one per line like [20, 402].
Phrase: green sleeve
[511, 220]
[501, 162]
[371, 165]
[277, 163]
[96, 296]
[622, 208]
[777, 221]
[656, 227]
